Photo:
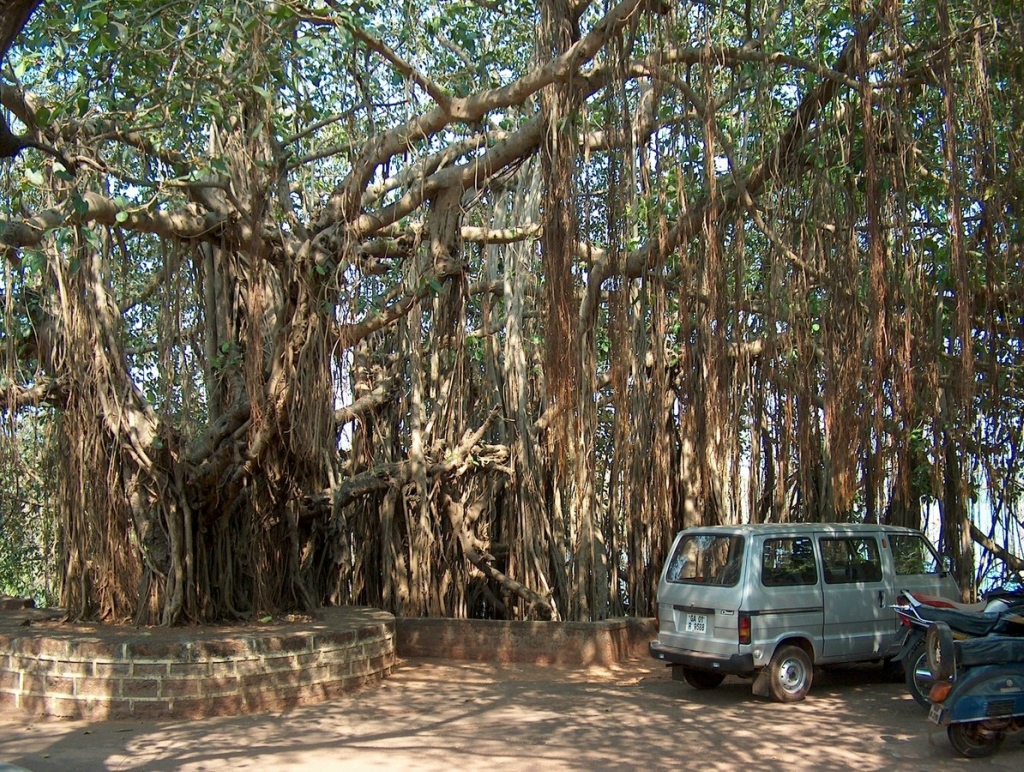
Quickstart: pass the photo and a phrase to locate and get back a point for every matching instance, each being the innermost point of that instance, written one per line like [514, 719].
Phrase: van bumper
[736, 664]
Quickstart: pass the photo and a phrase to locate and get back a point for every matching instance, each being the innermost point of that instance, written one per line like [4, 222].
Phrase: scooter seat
[990, 650]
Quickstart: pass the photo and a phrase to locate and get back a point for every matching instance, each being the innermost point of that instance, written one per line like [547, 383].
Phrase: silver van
[772, 601]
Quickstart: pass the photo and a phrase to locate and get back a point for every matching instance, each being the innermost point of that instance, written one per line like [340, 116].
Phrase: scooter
[978, 689]
[1006, 618]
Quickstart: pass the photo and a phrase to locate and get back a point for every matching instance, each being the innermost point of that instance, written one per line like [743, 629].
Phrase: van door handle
[881, 599]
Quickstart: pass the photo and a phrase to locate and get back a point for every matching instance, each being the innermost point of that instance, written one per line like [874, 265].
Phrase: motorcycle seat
[937, 601]
[972, 623]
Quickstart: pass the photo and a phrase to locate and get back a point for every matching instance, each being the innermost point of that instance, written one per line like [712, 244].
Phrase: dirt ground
[440, 714]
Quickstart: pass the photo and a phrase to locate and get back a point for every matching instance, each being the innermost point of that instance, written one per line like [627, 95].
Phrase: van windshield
[704, 558]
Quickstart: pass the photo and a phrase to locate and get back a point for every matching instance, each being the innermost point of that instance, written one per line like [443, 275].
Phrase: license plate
[935, 714]
[696, 623]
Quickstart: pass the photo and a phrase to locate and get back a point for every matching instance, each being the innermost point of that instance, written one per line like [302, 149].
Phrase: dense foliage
[465, 307]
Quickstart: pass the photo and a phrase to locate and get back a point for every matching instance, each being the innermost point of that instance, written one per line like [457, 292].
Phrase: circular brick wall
[100, 671]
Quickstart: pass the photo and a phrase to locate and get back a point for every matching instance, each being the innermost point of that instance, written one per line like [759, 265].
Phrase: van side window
[851, 559]
[788, 562]
[707, 559]
[914, 555]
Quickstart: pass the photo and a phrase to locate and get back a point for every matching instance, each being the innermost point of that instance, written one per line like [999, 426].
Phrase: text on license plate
[696, 623]
[935, 714]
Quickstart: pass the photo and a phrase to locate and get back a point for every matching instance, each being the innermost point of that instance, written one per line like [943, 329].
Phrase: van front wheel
[789, 674]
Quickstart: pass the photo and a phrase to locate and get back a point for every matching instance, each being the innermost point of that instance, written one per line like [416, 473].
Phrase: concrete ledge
[542, 643]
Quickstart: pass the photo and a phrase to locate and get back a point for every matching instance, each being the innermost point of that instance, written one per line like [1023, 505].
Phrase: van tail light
[744, 627]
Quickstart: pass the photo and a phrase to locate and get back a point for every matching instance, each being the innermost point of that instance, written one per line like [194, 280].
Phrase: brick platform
[100, 671]
[49, 668]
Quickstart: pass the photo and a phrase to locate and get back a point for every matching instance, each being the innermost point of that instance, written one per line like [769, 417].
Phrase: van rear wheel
[702, 679]
[789, 674]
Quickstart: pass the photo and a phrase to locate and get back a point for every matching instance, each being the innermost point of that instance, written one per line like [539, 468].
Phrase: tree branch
[1014, 562]
[14, 15]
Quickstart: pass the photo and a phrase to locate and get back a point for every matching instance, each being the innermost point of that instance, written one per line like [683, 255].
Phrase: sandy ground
[439, 714]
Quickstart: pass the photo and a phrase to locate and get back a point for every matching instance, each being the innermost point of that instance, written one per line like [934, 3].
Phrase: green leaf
[121, 216]
[81, 206]
[34, 261]
[220, 166]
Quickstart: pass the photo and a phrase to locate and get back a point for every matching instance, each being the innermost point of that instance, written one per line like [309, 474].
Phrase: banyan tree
[466, 307]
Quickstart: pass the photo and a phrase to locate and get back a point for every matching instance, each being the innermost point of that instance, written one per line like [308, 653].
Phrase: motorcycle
[978, 689]
[1006, 618]
[1000, 599]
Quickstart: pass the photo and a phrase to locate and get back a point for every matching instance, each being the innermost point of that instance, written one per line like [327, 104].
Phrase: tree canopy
[466, 307]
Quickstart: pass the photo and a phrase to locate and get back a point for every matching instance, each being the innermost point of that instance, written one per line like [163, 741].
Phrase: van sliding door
[858, 600]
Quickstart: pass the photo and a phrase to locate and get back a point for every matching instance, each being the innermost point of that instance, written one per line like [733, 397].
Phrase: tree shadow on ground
[436, 715]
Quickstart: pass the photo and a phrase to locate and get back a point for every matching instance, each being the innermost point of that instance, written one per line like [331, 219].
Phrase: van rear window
[850, 560]
[707, 559]
[788, 562]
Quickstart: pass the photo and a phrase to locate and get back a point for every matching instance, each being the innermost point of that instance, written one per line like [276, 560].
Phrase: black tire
[702, 679]
[917, 675]
[790, 674]
[893, 671]
[941, 654]
[973, 740]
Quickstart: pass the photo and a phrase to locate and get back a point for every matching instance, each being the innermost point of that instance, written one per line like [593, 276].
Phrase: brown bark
[14, 15]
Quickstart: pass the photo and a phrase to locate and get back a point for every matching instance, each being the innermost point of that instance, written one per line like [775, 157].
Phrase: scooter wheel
[941, 653]
[973, 740]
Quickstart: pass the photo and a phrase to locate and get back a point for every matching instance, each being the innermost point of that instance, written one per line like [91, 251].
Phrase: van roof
[754, 528]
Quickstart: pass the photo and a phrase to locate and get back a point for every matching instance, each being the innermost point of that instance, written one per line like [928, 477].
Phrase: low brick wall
[545, 643]
[101, 672]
